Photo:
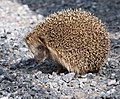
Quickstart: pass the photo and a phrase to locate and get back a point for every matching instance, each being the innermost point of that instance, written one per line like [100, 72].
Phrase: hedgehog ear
[42, 40]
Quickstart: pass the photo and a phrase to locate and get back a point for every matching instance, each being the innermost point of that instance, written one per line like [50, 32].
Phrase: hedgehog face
[37, 48]
[39, 52]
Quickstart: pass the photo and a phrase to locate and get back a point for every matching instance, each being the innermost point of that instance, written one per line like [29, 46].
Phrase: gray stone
[90, 75]
[65, 97]
[1, 78]
[111, 91]
[79, 94]
[75, 83]
[68, 77]
[1, 71]
[112, 82]
[60, 82]
[38, 74]
[52, 85]
[93, 83]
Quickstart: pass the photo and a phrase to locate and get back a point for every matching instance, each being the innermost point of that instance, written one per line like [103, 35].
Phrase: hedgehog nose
[39, 61]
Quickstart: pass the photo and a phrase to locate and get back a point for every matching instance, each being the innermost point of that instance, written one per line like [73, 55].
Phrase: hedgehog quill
[74, 39]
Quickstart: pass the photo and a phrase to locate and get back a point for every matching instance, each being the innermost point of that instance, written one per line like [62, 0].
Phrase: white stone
[112, 82]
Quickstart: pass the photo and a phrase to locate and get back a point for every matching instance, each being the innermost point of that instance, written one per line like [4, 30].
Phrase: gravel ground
[22, 78]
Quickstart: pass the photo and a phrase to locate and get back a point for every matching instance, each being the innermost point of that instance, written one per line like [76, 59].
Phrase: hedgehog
[75, 40]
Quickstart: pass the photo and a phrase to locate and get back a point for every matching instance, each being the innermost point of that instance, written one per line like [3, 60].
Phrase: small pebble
[112, 82]
[68, 77]
[1, 71]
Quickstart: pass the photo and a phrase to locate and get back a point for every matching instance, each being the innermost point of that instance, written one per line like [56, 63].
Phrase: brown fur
[74, 39]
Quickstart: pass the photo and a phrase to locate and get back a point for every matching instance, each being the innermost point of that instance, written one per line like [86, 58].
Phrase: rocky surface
[22, 78]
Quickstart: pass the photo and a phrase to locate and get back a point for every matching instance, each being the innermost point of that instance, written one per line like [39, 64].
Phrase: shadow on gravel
[31, 65]
[115, 44]
[107, 10]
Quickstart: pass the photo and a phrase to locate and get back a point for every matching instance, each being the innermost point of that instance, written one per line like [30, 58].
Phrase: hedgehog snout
[40, 53]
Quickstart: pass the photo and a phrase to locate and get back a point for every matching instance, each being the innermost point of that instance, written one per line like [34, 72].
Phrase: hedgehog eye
[40, 47]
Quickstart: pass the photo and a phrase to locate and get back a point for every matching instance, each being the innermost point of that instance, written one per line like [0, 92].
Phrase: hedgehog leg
[61, 69]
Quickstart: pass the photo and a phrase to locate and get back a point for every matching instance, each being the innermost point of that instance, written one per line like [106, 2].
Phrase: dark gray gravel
[22, 78]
